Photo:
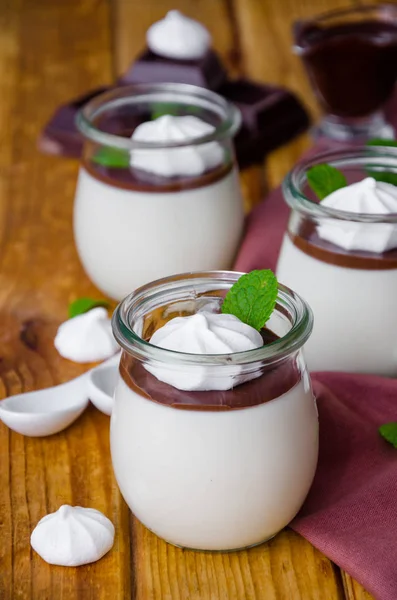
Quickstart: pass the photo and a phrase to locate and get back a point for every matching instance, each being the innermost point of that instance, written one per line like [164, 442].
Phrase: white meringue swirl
[204, 333]
[73, 536]
[365, 197]
[178, 37]
[87, 337]
[189, 160]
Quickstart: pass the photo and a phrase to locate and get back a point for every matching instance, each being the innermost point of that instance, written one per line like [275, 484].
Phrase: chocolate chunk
[60, 135]
[207, 72]
[271, 116]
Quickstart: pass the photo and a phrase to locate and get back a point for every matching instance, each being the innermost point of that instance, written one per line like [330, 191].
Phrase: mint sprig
[112, 157]
[252, 298]
[385, 176]
[159, 109]
[389, 432]
[83, 305]
[325, 179]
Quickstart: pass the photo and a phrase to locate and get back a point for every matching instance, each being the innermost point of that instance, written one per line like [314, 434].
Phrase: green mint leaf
[385, 176]
[324, 179]
[159, 109]
[252, 298]
[380, 142]
[389, 432]
[112, 157]
[83, 305]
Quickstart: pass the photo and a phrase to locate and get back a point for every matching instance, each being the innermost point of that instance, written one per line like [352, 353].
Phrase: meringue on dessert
[157, 193]
[73, 536]
[214, 430]
[341, 256]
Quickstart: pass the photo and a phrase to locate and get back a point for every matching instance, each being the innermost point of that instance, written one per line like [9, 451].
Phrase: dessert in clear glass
[351, 59]
[212, 451]
[158, 190]
[340, 254]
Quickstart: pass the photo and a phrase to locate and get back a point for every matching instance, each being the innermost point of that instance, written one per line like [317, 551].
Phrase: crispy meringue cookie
[73, 536]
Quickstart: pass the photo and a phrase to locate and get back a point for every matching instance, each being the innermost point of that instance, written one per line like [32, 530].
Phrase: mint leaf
[385, 176]
[389, 432]
[112, 157]
[324, 179]
[83, 305]
[380, 142]
[252, 298]
[159, 109]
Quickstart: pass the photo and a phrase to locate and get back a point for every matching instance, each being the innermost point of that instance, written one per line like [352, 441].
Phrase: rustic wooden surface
[49, 52]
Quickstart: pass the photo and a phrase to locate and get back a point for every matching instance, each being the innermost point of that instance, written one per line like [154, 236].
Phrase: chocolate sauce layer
[136, 180]
[353, 66]
[310, 243]
[273, 382]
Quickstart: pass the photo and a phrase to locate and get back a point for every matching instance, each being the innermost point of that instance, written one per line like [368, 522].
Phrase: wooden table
[49, 52]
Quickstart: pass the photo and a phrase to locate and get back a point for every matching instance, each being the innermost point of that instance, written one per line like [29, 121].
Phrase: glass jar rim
[370, 156]
[229, 125]
[336, 13]
[292, 341]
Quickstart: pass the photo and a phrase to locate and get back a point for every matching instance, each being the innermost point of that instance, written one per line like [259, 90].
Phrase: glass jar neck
[370, 160]
[190, 292]
[98, 119]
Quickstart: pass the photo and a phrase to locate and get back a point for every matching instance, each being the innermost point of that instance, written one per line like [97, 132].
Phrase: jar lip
[292, 341]
[170, 92]
[370, 156]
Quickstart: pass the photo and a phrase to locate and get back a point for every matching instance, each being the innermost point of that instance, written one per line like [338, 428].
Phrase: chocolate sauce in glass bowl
[272, 383]
[353, 66]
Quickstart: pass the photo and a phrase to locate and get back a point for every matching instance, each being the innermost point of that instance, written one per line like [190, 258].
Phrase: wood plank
[131, 21]
[285, 568]
[49, 52]
[272, 570]
[265, 54]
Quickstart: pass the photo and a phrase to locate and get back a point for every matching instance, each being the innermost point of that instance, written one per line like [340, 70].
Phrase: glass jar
[352, 293]
[220, 469]
[136, 218]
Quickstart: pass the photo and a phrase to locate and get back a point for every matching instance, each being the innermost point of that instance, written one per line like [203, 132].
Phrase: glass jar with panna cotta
[158, 190]
[212, 451]
[340, 254]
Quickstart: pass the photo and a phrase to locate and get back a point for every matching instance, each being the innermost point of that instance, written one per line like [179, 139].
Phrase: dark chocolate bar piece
[60, 135]
[207, 72]
[271, 116]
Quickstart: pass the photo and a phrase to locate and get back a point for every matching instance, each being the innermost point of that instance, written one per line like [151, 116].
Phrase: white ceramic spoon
[48, 411]
[101, 386]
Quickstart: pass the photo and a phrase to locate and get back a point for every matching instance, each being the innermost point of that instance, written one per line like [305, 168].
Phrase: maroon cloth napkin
[351, 512]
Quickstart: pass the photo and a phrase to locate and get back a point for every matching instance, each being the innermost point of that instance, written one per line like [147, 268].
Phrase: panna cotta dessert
[158, 190]
[340, 254]
[214, 430]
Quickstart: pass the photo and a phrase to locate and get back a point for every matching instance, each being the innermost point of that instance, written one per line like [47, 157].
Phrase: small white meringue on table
[87, 337]
[73, 536]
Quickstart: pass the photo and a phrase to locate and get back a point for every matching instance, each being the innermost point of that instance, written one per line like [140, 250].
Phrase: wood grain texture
[49, 52]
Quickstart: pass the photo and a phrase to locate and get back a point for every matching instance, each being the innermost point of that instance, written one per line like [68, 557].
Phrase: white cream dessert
[347, 272]
[214, 457]
[170, 210]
